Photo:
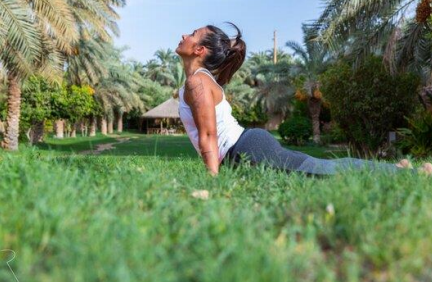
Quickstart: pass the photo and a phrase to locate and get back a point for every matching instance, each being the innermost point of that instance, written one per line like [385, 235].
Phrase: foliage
[417, 138]
[296, 130]
[36, 99]
[157, 92]
[3, 106]
[73, 103]
[368, 102]
[312, 59]
[389, 28]
[274, 89]
[240, 95]
[300, 108]
[120, 90]
[333, 135]
[250, 116]
[41, 34]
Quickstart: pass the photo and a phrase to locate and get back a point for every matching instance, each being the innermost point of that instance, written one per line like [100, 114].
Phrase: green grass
[158, 145]
[138, 145]
[128, 215]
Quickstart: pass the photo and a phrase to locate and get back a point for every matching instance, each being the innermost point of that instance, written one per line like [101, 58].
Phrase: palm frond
[21, 40]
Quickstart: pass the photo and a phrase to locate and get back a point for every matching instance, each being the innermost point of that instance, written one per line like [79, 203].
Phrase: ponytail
[226, 55]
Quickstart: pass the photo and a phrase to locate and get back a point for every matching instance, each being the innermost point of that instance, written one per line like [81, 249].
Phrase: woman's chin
[179, 51]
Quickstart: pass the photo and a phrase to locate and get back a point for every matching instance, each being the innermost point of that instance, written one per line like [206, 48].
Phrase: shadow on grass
[137, 145]
[153, 145]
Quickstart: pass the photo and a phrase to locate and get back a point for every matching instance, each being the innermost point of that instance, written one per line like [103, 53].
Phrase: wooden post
[274, 47]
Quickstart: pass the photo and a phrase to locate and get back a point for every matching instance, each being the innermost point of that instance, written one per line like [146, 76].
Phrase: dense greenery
[250, 116]
[46, 38]
[417, 138]
[296, 130]
[112, 217]
[368, 102]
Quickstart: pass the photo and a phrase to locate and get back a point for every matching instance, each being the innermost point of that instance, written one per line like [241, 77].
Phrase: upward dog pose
[210, 60]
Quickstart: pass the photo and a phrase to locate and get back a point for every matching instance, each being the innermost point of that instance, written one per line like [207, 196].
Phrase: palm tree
[177, 78]
[313, 59]
[162, 66]
[31, 34]
[36, 35]
[118, 91]
[86, 65]
[389, 28]
[273, 84]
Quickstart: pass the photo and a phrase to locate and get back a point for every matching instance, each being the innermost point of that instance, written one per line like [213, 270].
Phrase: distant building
[163, 119]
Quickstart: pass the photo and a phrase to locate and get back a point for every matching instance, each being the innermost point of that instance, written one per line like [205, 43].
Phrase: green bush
[333, 135]
[296, 130]
[251, 116]
[368, 102]
[417, 138]
[300, 108]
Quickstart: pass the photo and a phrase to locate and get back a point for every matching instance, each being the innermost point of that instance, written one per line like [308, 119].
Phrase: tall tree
[273, 82]
[36, 35]
[32, 34]
[312, 61]
[160, 68]
[119, 91]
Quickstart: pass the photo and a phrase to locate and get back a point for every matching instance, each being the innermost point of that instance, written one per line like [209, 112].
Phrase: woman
[210, 60]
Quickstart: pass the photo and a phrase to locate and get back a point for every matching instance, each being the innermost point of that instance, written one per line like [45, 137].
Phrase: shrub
[417, 138]
[251, 116]
[333, 135]
[368, 102]
[296, 130]
[300, 108]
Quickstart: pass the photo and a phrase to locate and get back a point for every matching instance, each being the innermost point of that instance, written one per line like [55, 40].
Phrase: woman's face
[189, 45]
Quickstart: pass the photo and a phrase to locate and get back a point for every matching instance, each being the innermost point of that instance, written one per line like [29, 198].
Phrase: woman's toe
[404, 164]
[426, 169]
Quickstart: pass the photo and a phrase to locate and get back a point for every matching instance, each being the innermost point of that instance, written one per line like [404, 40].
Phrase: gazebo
[167, 110]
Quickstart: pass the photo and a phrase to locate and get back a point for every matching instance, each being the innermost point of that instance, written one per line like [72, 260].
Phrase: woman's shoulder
[199, 82]
[203, 79]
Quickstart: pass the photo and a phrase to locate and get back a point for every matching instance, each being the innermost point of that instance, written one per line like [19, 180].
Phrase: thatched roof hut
[168, 109]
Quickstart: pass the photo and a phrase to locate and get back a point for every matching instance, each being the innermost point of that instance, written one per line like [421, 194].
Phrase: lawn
[158, 145]
[128, 214]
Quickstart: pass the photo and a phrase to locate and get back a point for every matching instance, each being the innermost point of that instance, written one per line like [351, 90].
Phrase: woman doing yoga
[210, 59]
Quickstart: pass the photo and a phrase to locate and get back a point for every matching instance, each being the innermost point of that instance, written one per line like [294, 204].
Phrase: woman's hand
[199, 97]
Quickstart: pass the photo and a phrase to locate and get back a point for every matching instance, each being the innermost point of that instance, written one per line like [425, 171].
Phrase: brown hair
[226, 55]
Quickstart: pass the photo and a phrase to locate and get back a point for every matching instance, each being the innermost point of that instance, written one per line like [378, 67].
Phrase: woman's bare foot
[426, 169]
[404, 164]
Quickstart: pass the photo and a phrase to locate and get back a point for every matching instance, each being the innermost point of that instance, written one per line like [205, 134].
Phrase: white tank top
[228, 129]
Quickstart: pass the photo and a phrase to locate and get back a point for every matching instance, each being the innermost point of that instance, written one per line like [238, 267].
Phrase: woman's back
[228, 129]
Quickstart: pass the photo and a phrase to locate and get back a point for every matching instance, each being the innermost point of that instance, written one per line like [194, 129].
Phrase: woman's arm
[200, 99]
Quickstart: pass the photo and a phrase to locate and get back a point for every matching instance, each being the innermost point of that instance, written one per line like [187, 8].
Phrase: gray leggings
[259, 146]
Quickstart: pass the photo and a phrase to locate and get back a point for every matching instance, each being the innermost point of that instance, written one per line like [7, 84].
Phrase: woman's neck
[191, 67]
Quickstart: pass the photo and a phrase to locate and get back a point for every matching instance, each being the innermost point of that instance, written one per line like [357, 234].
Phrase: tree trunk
[314, 105]
[93, 126]
[73, 130]
[120, 122]
[37, 132]
[2, 129]
[104, 125]
[426, 98]
[83, 127]
[110, 126]
[10, 140]
[59, 129]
